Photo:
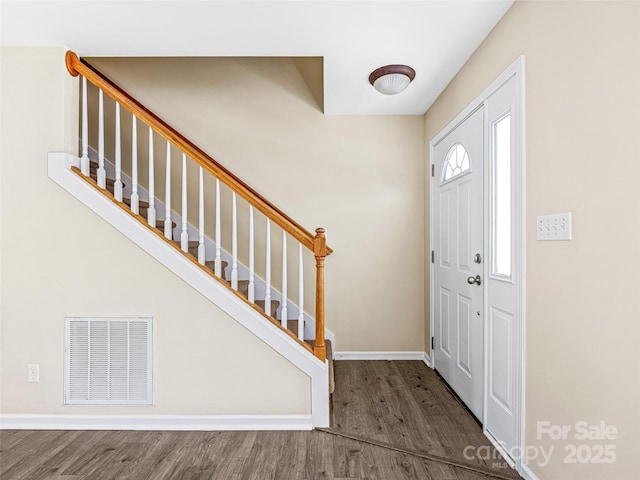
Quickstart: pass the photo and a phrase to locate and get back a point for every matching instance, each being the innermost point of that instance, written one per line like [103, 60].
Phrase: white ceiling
[435, 37]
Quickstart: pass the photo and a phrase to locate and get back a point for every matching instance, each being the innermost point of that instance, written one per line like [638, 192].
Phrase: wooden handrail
[77, 66]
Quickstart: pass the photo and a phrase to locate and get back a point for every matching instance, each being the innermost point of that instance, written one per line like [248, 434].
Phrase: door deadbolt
[477, 280]
[477, 258]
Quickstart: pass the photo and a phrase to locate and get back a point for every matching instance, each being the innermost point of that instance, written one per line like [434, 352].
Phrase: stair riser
[243, 288]
[274, 306]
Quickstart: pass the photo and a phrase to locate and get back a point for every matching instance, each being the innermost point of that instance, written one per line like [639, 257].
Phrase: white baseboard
[427, 360]
[379, 356]
[527, 473]
[155, 422]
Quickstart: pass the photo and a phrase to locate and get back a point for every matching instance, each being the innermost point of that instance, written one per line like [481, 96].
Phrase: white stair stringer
[59, 169]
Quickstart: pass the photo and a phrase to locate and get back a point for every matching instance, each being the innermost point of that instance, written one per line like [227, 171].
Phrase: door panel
[501, 371]
[445, 261]
[464, 334]
[464, 217]
[445, 321]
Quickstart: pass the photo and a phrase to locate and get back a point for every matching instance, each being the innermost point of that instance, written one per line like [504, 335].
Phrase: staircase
[272, 314]
[243, 285]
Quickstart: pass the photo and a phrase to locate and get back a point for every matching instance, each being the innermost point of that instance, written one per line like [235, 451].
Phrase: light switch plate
[33, 373]
[554, 227]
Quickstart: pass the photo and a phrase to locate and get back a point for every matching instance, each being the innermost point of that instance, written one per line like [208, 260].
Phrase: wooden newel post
[320, 252]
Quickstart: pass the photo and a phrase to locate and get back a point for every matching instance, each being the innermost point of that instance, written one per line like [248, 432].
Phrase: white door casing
[458, 182]
[503, 273]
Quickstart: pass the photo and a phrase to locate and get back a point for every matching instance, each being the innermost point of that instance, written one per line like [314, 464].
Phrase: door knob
[477, 280]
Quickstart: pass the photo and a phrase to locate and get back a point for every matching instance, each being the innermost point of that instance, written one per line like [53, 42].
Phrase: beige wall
[582, 104]
[362, 178]
[59, 259]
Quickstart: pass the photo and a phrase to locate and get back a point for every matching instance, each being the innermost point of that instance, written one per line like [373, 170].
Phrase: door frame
[515, 69]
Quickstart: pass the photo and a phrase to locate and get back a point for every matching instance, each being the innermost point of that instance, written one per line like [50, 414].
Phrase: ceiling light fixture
[392, 79]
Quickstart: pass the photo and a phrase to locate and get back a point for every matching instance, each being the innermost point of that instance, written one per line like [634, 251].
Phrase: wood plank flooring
[399, 403]
[405, 404]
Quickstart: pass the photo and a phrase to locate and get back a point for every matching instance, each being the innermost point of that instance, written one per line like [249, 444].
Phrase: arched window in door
[456, 163]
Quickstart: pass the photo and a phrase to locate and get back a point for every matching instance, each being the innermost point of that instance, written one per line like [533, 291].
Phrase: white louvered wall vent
[108, 361]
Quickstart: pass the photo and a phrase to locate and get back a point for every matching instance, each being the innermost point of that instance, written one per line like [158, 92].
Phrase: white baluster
[234, 244]
[184, 236]
[102, 174]
[218, 261]
[252, 285]
[84, 160]
[151, 212]
[201, 250]
[168, 226]
[117, 186]
[283, 307]
[135, 198]
[300, 294]
[267, 295]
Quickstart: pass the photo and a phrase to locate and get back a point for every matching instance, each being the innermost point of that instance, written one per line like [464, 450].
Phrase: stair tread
[212, 265]
[141, 203]
[192, 243]
[109, 183]
[144, 213]
[274, 306]
[94, 176]
[243, 287]
[193, 251]
[292, 324]
[160, 223]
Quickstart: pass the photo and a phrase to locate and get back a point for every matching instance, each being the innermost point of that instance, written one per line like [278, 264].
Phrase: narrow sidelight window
[501, 193]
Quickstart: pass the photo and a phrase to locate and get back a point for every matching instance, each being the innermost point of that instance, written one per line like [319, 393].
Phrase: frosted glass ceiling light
[392, 79]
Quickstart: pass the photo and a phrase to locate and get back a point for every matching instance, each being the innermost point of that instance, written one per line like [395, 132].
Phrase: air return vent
[108, 361]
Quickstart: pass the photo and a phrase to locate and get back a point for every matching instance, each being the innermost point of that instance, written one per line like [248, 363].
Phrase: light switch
[554, 227]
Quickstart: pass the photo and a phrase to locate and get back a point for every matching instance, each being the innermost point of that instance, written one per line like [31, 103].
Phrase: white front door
[458, 260]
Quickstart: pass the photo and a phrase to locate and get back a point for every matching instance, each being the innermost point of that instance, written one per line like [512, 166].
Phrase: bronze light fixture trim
[392, 79]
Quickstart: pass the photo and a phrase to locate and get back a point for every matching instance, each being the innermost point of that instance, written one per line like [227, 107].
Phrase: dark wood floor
[400, 403]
